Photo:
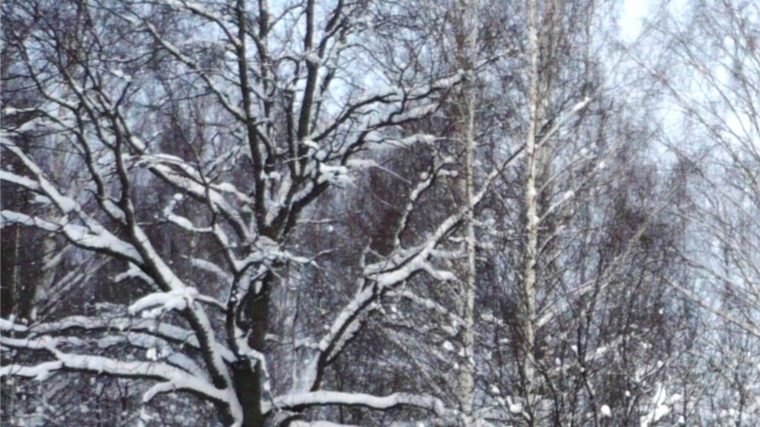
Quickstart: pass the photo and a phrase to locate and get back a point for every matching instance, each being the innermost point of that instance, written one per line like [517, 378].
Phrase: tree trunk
[248, 374]
[466, 133]
[527, 313]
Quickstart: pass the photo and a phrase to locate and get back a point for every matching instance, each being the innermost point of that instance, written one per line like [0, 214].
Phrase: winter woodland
[406, 213]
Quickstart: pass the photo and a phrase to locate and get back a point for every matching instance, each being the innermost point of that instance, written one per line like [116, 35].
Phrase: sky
[634, 11]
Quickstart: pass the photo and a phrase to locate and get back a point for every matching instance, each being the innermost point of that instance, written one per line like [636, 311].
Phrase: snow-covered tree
[198, 137]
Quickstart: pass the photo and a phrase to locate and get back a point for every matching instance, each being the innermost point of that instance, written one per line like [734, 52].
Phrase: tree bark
[528, 292]
[466, 131]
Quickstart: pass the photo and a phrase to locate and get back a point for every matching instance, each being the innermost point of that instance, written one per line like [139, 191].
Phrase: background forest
[293, 213]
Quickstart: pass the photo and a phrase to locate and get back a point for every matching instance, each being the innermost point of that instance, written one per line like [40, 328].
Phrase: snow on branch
[326, 398]
[171, 378]
[430, 305]
[301, 423]
[174, 379]
[181, 298]
[42, 343]
[266, 250]
[39, 372]
[213, 268]
[42, 184]
[382, 276]
[164, 331]
[659, 406]
[193, 186]
[156, 304]
[11, 326]
[441, 84]
[90, 237]
[395, 110]
[133, 272]
[19, 180]
[156, 349]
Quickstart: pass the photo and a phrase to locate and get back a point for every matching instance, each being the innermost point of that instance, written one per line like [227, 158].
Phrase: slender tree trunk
[529, 282]
[468, 56]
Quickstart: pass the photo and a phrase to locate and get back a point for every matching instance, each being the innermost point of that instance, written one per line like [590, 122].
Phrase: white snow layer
[160, 302]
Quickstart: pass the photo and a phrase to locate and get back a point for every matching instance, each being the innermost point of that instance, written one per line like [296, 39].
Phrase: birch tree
[583, 218]
[590, 295]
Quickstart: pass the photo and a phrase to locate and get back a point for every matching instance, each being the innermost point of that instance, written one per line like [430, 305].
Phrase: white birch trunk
[468, 55]
[529, 283]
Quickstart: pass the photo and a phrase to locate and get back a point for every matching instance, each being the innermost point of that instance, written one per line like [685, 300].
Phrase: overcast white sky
[631, 16]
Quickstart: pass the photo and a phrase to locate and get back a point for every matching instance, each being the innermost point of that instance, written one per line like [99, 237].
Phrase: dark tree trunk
[247, 374]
